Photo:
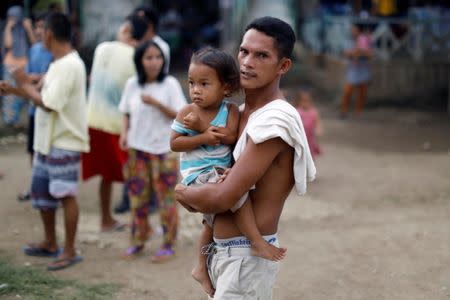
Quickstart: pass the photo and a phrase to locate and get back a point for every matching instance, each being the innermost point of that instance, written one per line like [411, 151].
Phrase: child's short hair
[222, 62]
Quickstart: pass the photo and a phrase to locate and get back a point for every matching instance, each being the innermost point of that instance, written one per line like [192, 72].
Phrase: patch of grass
[31, 283]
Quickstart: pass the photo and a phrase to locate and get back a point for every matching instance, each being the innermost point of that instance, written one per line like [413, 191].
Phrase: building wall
[395, 81]
[100, 19]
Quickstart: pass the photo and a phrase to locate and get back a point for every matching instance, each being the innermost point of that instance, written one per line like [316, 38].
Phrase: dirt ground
[374, 225]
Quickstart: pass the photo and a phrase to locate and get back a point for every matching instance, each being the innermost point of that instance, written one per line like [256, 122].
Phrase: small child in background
[205, 132]
[311, 121]
[363, 41]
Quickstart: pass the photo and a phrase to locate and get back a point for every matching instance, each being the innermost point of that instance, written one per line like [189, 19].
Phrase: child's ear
[227, 92]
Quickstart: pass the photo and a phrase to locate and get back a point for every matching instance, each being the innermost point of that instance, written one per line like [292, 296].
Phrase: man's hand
[27, 24]
[21, 77]
[5, 87]
[212, 136]
[35, 78]
[224, 175]
[179, 189]
[192, 121]
[10, 23]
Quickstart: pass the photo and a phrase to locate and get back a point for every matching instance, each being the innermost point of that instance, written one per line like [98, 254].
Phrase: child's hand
[192, 121]
[223, 175]
[212, 136]
[147, 99]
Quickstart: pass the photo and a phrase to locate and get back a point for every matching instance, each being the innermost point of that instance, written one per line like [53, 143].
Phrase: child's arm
[123, 140]
[231, 130]
[180, 142]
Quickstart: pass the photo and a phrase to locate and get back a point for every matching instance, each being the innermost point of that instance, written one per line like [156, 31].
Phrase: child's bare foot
[268, 251]
[200, 274]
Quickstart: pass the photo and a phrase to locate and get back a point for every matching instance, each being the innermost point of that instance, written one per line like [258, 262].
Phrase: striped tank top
[204, 158]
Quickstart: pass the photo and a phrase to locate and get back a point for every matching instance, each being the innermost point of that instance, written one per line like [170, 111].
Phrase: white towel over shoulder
[280, 119]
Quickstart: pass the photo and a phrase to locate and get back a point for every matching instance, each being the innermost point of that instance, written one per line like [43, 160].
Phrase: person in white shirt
[61, 134]
[150, 16]
[150, 102]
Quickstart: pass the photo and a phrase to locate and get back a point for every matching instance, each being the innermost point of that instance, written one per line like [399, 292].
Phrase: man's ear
[285, 65]
[48, 34]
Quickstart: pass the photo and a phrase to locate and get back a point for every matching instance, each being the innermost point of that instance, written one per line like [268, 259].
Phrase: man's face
[258, 60]
[47, 38]
[39, 28]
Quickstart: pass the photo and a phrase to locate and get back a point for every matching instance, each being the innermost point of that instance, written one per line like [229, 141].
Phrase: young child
[205, 131]
[363, 41]
[311, 121]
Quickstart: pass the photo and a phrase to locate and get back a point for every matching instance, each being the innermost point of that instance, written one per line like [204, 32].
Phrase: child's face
[152, 60]
[205, 88]
[355, 31]
[304, 100]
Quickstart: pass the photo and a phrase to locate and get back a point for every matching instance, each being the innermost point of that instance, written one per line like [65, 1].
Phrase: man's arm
[29, 90]
[6, 88]
[220, 197]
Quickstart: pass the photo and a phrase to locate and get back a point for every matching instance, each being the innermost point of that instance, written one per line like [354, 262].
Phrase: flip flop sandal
[133, 251]
[40, 252]
[63, 263]
[163, 255]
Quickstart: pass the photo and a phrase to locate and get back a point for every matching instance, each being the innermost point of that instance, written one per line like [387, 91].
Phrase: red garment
[309, 119]
[105, 159]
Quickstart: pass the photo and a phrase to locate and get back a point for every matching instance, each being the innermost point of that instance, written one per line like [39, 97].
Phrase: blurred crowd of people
[110, 135]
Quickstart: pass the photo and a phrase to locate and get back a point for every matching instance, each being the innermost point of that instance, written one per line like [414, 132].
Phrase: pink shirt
[309, 119]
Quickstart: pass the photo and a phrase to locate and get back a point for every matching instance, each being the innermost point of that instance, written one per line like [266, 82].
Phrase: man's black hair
[59, 24]
[139, 26]
[41, 17]
[280, 31]
[150, 13]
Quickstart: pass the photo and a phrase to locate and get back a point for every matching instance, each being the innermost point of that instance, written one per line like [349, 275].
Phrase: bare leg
[362, 95]
[245, 220]
[49, 243]
[70, 207]
[346, 97]
[107, 221]
[200, 271]
[70, 225]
